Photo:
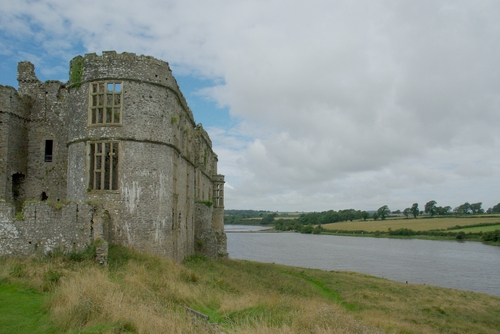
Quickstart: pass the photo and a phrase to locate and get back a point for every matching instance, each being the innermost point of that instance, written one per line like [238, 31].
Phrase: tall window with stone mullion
[105, 103]
[103, 165]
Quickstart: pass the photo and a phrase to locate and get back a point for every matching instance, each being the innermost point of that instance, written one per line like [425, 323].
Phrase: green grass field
[419, 224]
[478, 229]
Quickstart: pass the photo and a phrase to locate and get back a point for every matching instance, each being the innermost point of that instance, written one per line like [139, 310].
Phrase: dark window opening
[18, 190]
[49, 148]
[44, 196]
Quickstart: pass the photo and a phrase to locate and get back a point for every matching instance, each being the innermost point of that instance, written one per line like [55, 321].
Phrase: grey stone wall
[205, 238]
[47, 122]
[210, 238]
[13, 145]
[40, 116]
[45, 228]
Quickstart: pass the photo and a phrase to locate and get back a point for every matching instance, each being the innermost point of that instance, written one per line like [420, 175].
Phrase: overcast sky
[311, 105]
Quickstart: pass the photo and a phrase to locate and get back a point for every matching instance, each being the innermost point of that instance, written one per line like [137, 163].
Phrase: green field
[145, 294]
[478, 229]
[419, 224]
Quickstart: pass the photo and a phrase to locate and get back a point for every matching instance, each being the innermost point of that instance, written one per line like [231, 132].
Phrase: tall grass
[145, 294]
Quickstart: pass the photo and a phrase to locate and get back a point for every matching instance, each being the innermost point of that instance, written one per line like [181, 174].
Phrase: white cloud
[339, 104]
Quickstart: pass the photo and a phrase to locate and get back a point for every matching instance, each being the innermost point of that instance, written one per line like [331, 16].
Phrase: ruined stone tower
[119, 137]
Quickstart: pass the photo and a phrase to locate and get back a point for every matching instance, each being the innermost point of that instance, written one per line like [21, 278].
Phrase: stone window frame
[105, 103]
[218, 195]
[103, 163]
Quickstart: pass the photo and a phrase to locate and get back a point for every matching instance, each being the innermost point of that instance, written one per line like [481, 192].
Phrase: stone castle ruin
[112, 155]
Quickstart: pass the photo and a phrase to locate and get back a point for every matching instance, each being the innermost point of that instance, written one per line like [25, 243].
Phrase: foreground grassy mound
[145, 294]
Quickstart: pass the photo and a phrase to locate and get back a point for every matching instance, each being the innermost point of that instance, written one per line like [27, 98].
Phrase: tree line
[431, 208]
[306, 221]
[240, 216]
[281, 221]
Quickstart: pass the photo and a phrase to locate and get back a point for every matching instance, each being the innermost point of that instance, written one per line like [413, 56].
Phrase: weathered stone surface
[163, 161]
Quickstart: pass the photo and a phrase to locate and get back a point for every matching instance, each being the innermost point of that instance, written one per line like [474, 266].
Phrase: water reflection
[467, 266]
[245, 228]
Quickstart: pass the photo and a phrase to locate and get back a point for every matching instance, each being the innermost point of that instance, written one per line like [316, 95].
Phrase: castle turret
[133, 145]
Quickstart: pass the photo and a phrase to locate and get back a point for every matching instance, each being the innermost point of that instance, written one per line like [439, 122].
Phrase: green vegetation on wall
[76, 71]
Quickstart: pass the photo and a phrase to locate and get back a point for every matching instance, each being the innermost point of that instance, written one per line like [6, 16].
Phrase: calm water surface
[244, 228]
[469, 266]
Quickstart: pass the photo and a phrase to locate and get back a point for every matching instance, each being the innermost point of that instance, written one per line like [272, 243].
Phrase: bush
[308, 229]
[88, 253]
[493, 236]
[402, 231]
[318, 229]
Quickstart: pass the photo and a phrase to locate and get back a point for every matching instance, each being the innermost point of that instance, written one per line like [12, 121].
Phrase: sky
[311, 105]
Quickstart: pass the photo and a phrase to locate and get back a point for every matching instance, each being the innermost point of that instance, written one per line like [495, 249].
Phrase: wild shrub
[492, 236]
[18, 270]
[88, 253]
[308, 229]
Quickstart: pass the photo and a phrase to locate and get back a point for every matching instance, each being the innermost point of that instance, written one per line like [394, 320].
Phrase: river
[470, 266]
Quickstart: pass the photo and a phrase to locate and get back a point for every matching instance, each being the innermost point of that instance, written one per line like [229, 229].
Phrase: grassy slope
[145, 294]
[420, 224]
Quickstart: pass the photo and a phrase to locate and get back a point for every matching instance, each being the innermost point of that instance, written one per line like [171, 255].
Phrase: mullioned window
[103, 165]
[106, 103]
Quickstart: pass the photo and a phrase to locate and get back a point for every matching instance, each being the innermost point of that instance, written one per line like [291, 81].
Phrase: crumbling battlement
[118, 133]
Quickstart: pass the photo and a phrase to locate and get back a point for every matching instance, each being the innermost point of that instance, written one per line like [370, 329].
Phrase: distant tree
[430, 207]
[308, 229]
[397, 212]
[318, 229]
[268, 219]
[441, 211]
[496, 208]
[365, 215]
[463, 209]
[348, 214]
[476, 208]
[375, 216]
[383, 212]
[414, 210]
[407, 212]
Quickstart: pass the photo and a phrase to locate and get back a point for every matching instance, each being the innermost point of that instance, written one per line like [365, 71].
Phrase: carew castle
[115, 155]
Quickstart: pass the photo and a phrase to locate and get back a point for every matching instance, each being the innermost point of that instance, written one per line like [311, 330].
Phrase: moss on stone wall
[76, 71]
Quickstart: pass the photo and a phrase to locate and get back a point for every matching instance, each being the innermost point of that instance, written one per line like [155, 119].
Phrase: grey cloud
[338, 103]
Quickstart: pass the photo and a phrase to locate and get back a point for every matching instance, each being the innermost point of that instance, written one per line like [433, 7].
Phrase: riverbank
[140, 293]
[489, 238]
[478, 228]
[429, 235]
